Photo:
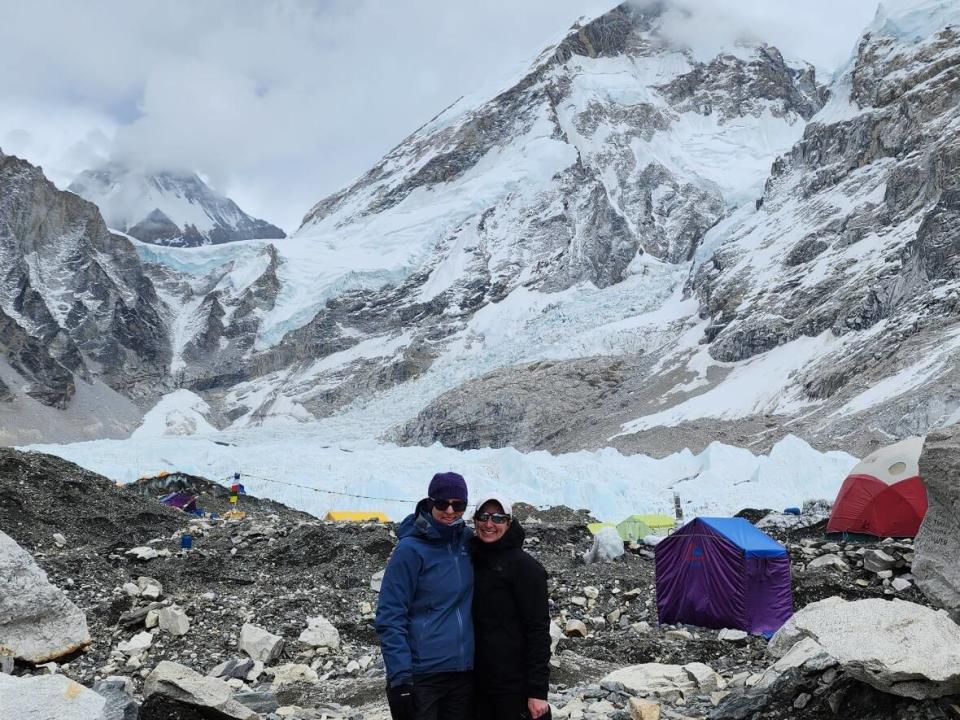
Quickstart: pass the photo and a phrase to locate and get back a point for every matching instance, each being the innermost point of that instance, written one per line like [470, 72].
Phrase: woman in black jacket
[511, 618]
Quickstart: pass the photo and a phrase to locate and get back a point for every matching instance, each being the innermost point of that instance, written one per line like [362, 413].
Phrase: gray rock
[180, 683]
[261, 701]
[807, 655]
[669, 682]
[935, 567]
[236, 668]
[732, 636]
[260, 644]
[877, 561]
[50, 697]
[173, 620]
[38, 622]
[118, 692]
[320, 632]
[149, 587]
[111, 327]
[575, 628]
[896, 646]
[828, 561]
[900, 584]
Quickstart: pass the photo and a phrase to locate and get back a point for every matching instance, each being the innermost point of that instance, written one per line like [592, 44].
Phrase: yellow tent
[658, 524]
[356, 516]
[594, 528]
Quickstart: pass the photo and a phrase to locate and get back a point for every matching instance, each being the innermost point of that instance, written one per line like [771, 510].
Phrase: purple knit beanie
[448, 486]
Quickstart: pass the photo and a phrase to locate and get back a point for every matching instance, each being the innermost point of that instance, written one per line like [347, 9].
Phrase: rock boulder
[895, 646]
[38, 623]
[182, 685]
[935, 565]
[45, 697]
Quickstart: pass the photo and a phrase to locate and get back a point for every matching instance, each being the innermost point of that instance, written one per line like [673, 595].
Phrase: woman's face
[448, 515]
[487, 530]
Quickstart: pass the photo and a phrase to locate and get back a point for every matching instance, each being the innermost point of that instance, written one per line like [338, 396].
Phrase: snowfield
[325, 465]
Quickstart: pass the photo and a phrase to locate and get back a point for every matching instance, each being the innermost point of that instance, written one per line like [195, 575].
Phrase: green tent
[636, 527]
[633, 528]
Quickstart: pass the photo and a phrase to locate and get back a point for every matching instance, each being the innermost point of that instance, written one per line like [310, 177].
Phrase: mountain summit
[168, 208]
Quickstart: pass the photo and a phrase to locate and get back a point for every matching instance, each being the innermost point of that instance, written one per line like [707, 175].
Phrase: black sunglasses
[457, 505]
[498, 518]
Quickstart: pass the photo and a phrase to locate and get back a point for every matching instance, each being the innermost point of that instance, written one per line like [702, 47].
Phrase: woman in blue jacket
[424, 616]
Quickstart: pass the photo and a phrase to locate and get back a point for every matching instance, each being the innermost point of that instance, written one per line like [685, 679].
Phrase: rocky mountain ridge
[75, 305]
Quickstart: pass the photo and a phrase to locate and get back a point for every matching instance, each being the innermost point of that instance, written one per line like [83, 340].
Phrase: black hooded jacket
[511, 618]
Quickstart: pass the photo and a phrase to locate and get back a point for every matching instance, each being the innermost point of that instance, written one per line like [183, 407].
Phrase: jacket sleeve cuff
[539, 693]
[402, 679]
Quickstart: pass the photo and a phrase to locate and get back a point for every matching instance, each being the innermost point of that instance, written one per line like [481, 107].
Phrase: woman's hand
[537, 707]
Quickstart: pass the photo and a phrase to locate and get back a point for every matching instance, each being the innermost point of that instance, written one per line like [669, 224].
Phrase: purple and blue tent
[723, 573]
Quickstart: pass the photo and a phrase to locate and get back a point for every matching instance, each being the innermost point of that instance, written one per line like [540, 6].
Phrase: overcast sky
[281, 102]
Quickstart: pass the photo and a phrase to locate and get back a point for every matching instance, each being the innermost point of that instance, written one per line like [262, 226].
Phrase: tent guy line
[320, 490]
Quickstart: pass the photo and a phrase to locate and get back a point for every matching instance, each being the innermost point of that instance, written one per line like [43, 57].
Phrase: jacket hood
[422, 524]
[512, 539]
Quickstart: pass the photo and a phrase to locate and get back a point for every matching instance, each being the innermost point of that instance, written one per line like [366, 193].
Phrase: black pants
[503, 707]
[444, 696]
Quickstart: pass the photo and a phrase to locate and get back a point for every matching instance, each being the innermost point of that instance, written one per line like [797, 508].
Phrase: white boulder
[670, 682]
[136, 645]
[896, 646]
[260, 644]
[320, 632]
[38, 622]
[293, 674]
[149, 587]
[173, 620]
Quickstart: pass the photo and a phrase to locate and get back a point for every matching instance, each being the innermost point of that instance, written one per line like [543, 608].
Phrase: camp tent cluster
[637, 527]
[724, 572]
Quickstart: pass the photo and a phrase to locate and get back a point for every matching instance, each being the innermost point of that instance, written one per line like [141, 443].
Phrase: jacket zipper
[456, 562]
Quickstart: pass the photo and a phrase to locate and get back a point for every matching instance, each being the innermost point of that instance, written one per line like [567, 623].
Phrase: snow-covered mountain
[624, 245]
[597, 171]
[168, 208]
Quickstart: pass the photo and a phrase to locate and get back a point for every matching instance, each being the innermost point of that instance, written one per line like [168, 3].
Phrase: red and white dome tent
[883, 495]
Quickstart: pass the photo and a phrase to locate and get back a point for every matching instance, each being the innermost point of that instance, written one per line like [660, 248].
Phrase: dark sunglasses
[457, 505]
[498, 518]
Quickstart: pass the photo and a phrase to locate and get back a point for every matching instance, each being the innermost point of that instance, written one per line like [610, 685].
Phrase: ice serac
[75, 305]
[168, 208]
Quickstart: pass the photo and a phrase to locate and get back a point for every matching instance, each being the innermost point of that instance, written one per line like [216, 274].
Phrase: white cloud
[280, 102]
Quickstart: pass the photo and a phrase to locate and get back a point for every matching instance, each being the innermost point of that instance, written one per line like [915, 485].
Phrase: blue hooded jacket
[424, 616]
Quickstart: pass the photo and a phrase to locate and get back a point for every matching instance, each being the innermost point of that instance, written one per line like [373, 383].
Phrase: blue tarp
[741, 533]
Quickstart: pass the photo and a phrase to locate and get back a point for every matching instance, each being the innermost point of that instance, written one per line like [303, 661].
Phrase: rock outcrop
[75, 304]
[935, 566]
